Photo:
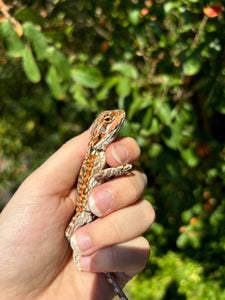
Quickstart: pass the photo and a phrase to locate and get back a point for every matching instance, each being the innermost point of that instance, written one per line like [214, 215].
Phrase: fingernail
[80, 243]
[84, 263]
[100, 202]
[120, 153]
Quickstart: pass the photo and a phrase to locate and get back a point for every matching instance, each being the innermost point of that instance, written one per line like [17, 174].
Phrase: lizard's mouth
[118, 128]
[111, 137]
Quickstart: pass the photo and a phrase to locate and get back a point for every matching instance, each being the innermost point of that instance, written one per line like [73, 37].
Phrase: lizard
[93, 172]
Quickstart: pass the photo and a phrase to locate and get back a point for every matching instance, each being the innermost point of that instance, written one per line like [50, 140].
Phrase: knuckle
[114, 256]
[138, 183]
[117, 231]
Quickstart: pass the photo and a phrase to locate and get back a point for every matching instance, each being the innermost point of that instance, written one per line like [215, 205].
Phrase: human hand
[36, 260]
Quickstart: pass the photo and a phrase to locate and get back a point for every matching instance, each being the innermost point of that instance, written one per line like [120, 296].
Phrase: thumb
[59, 173]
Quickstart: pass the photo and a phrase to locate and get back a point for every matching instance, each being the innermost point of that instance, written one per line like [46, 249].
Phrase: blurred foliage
[62, 62]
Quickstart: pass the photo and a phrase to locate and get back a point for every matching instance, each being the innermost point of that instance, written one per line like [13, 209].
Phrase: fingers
[122, 151]
[118, 227]
[129, 257]
[110, 196]
[59, 173]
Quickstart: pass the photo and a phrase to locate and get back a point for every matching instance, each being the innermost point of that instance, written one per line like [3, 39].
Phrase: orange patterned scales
[94, 171]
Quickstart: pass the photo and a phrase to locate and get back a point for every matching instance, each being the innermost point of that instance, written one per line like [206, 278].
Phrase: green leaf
[190, 157]
[135, 106]
[123, 87]
[30, 67]
[108, 84]
[126, 69]
[191, 65]
[54, 83]
[157, 228]
[11, 41]
[166, 79]
[79, 95]
[155, 150]
[164, 112]
[147, 118]
[29, 15]
[194, 239]
[60, 62]
[37, 40]
[168, 6]
[187, 215]
[182, 241]
[155, 126]
[134, 16]
[89, 77]
[172, 137]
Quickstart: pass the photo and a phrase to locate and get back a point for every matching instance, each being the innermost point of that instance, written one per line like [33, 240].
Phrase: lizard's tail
[116, 286]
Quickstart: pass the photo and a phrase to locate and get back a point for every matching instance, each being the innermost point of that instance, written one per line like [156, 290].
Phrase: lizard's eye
[107, 119]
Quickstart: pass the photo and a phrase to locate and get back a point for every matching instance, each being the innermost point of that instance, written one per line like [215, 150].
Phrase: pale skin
[35, 257]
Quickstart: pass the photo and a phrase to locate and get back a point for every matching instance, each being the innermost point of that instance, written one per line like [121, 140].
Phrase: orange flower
[193, 220]
[182, 229]
[144, 11]
[105, 46]
[148, 3]
[213, 11]
[203, 150]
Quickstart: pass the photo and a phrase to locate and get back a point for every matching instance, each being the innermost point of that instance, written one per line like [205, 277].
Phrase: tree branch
[5, 11]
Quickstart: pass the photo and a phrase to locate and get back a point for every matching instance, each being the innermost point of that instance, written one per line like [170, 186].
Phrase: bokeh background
[163, 62]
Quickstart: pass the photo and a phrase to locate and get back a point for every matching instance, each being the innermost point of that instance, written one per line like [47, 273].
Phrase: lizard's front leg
[109, 173]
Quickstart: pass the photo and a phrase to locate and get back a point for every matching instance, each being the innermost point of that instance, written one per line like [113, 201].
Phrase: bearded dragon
[94, 171]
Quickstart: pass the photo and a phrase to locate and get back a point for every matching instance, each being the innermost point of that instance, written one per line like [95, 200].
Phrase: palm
[36, 261]
[53, 265]
[36, 237]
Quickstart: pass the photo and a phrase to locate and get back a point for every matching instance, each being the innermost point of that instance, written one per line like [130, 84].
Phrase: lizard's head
[106, 128]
